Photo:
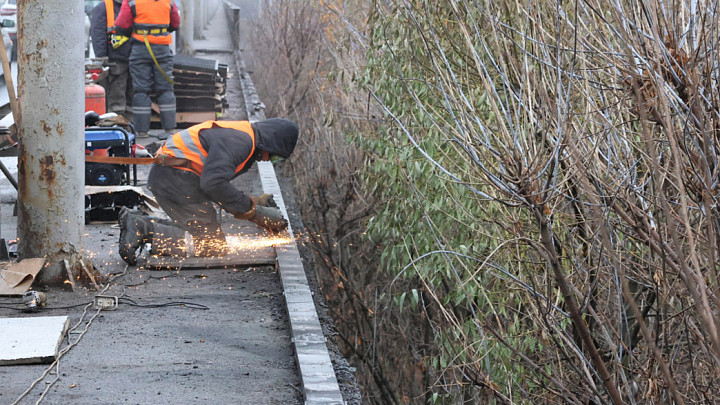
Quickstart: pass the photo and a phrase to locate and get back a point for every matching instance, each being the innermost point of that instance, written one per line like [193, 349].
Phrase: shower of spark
[245, 243]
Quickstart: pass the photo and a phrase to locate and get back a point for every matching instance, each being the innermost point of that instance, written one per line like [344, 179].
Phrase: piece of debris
[31, 340]
[103, 203]
[17, 277]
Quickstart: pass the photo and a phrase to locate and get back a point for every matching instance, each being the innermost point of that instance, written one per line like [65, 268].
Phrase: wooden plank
[191, 117]
[196, 117]
[210, 76]
[255, 257]
[31, 340]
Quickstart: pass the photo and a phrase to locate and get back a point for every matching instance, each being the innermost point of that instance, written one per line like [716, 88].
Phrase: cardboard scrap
[147, 198]
[17, 277]
[31, 340]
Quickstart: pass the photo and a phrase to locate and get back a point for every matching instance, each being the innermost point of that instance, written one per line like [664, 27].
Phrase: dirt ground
[177, 337]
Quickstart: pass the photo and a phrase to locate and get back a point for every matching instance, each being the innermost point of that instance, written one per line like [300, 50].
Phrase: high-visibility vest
[151, 18]
[116, 40]
[186, 144]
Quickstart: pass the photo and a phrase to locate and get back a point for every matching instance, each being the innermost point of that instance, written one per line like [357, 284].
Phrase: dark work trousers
[118, 87]
[146, 77]
[179, 195]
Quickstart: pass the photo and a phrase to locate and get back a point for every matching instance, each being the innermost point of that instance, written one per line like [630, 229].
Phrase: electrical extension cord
[105, 303]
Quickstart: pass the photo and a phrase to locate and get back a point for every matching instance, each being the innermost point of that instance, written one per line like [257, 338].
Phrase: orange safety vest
[115, 39]
[151, 18]
[186, 144]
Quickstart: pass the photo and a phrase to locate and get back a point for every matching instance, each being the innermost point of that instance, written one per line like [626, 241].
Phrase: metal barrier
[233, 14]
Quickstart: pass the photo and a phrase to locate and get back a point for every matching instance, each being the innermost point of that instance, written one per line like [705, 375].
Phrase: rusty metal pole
[51, 98]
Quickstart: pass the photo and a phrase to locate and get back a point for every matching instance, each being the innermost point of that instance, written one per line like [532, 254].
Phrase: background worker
[149, 23]
[107, 43]
[193, 170]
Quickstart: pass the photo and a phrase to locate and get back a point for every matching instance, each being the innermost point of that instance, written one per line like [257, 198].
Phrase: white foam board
[31, 340]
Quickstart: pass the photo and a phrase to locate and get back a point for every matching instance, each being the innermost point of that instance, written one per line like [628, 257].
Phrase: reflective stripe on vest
[151, 18]
[186, 144]
[110, 12]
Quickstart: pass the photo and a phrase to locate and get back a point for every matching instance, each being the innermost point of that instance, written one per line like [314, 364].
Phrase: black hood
[276, 136]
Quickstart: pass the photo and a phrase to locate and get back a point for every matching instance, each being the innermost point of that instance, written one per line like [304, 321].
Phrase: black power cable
[121, 300]
[44, 307]
[190, 305]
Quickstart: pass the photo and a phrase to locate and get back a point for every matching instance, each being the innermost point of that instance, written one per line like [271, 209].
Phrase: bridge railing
[233, 15]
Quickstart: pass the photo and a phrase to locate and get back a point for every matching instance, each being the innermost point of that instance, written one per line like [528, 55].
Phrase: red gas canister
[95, 98]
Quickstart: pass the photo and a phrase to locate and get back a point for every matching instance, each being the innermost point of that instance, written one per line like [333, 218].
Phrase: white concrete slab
[31, 340]
[320, 385]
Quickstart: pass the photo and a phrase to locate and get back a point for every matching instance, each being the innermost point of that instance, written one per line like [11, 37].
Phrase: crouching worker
[193, 170]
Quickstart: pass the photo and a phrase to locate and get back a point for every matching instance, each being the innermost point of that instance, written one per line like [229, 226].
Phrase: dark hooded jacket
[227, 149]
[98, 34]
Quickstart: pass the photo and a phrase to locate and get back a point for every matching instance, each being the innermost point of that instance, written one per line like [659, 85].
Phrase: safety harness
[116, 40]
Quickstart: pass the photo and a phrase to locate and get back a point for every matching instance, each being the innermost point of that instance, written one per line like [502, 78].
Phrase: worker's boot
[135, 231]
[208, 239]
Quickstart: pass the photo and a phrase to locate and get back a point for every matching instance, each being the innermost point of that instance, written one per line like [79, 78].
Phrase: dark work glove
[269, 218]
[247, 214]
[264, 200]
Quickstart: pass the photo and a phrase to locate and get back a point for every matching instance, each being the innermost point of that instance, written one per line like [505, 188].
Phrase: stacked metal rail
[200, 86]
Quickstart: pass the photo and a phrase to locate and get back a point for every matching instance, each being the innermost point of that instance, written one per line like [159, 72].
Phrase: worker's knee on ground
[207, 247]
[168, 240]
[168, 247]
[208, 239]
